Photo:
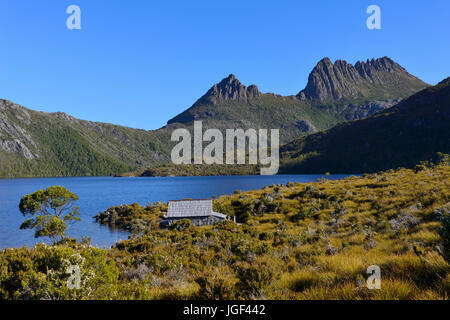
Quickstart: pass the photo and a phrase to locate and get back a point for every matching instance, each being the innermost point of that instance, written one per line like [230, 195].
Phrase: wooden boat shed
[200, 212]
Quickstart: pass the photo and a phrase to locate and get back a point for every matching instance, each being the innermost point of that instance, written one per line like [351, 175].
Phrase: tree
[51, 210]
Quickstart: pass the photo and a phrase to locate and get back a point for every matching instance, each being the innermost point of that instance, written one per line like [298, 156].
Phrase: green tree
[51, 210]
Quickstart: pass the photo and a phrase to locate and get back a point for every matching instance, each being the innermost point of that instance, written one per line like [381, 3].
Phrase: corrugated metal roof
[189, 208]
[220, 215]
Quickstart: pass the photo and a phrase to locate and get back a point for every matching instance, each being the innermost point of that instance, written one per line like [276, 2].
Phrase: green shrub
[216, 284]
[181, 225]
[44, 272]
[254, 278]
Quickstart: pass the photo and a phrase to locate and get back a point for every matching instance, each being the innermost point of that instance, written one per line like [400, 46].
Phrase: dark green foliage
[413, 131]
[170, 169]
[133, 218]
[52, 208]
[241, 210]
[181, 225]
[43, 273]
[302, 215]
[65, 146]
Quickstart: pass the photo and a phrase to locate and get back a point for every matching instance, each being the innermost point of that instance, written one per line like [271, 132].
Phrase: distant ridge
[359, 90]
[373, 78]
[414, 130]
[56, 144]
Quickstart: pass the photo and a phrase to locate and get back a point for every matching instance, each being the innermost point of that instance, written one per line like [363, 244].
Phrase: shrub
[256, 277]
[45, 272]
[216, 284]
[242, 210]
[181, 225]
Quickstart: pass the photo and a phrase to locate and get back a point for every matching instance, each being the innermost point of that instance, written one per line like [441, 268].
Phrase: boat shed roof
[191, 208]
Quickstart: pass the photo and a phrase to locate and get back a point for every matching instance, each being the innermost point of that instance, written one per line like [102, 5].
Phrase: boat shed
[200, 212]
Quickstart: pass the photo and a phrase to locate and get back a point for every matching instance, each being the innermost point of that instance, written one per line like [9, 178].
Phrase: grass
[294, 241]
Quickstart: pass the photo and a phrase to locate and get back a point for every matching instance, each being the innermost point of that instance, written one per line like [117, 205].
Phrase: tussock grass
[293, 241]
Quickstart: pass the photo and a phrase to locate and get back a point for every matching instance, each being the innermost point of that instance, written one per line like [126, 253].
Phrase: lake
[99, 193]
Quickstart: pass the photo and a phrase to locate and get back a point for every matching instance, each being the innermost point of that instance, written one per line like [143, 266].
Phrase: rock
[64, 116]
[358, 112]
[253, 91]
[442, 213]
[342, 80]
[403, 221]
[331, 250]
[229, 89]
[306, 126]
[17, 146]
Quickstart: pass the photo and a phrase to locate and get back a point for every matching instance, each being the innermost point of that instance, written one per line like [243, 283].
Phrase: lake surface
[99, 193]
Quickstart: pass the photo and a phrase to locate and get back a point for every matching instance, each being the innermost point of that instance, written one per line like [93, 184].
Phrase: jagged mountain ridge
[412, 131]
[41, 144]
[334, 93]
[230, 88]
[373, 78]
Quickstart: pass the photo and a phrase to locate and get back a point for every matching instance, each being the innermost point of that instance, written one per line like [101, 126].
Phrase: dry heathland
[293, 241]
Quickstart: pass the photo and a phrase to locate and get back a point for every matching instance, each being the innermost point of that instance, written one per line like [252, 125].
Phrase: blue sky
[140, 62]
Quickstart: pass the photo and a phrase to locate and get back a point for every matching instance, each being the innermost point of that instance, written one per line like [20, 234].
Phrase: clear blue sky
[140, 62]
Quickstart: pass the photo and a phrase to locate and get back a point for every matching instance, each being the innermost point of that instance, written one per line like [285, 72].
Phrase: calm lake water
[99, 193]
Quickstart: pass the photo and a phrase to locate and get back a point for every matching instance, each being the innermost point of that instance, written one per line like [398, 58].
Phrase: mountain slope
[55, 144]
[413, 130]
[334, 94]
[375, 79]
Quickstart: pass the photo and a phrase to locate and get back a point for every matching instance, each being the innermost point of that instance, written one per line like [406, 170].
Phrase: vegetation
[53, 208]
[200, 170]
[294, 241]
[57, 144]
[36, 144]
[44, 273]
[412, 131]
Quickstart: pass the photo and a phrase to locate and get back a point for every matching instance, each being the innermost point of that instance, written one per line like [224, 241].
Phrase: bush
[45, 272]
[216, 284]
[256, 277]
[242, 210]
[181, 225]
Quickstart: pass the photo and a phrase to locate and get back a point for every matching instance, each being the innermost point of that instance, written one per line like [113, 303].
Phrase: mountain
[372, 80]
[412, 131]
[55, 144]
[229, 89]
[334, 93]
[230, 104]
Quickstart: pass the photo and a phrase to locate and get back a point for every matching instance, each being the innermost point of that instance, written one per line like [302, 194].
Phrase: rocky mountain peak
[229, 89]
[341, 80]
